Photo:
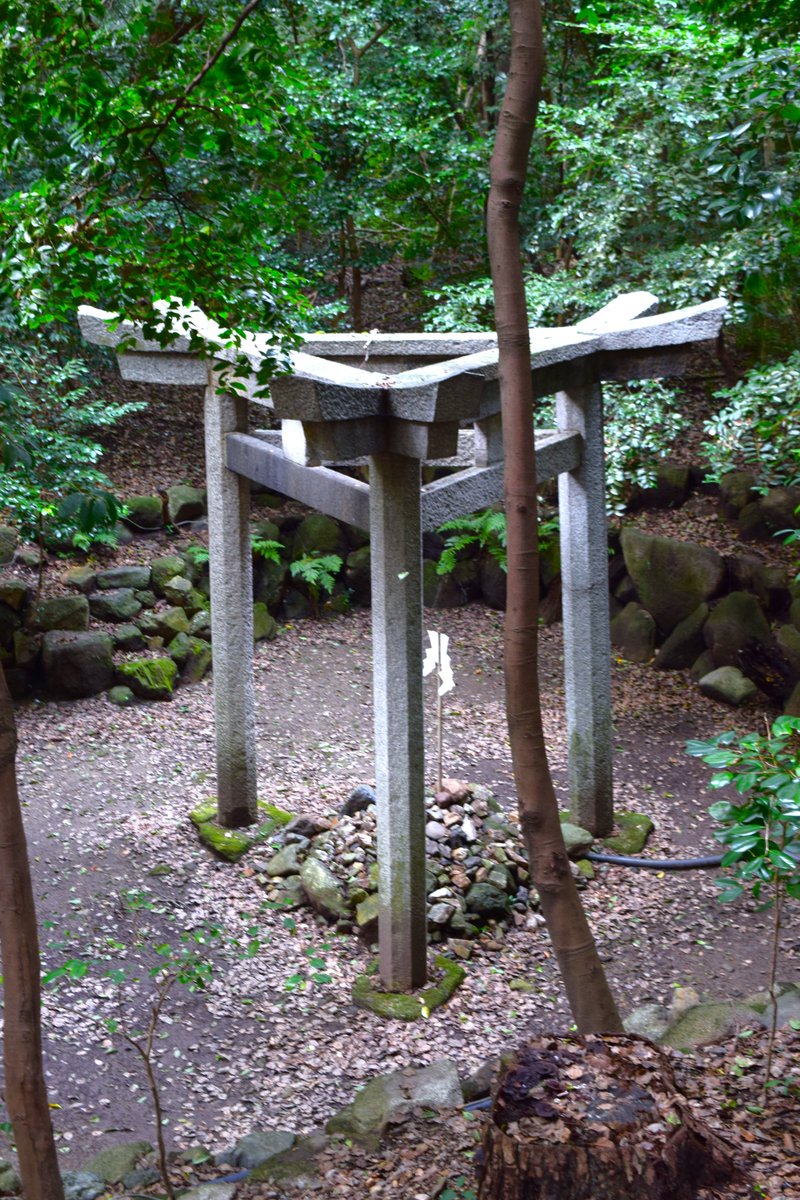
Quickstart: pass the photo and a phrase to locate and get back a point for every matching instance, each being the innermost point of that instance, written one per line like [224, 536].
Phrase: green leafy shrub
[50, 485]
[486, 529]
[761, 831]
[641, 424]
[555, 299]
[759, 427]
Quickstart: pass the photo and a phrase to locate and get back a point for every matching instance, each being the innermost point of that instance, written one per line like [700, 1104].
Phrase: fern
[317, 573]
[485, 529]
[267, 549]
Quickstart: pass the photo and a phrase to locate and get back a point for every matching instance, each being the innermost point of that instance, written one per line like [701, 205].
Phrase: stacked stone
[476, 873]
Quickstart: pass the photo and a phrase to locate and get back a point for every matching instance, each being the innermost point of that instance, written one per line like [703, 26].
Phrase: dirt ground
[107, 793]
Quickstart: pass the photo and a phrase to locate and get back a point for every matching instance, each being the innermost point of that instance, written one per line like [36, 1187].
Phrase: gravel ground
[107, 793]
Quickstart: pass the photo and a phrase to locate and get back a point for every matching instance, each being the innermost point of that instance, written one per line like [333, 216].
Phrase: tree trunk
[25, 1089]
[592, 1119]
[589, 996]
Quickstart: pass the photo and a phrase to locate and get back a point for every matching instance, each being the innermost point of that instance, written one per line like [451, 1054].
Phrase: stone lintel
[320, 488]
[165, 367]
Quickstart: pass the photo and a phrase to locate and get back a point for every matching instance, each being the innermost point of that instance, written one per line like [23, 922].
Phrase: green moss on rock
[634, 830]
[231, 844]
[400, 1006]
[150, 678]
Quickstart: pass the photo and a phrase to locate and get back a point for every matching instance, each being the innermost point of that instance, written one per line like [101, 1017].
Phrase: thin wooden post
[587, 641]
[231, 576]
[396, 566]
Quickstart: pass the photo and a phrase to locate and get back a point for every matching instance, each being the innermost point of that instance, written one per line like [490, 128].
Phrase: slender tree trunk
[25, 1090]
[589, 996]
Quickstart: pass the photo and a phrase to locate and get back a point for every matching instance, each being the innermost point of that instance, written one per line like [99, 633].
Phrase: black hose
[656, 864]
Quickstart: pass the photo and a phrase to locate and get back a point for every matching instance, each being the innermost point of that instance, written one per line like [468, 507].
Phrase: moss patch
[150, 678]
[634, 830]
[231, 844]
[400, 1006]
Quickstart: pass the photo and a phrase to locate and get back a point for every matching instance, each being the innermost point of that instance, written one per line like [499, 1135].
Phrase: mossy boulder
[265, 627]
[386, 1097]
[118, 604]
[705, 1024]
[8, 543]
[165, 568]
[728, 685]
[634, 830]
[114, 1163]
[732, 624]
[296, 1166]
[685, 643]
[121, 695]
[132, 576]
[231, 844]
[318, 535]
[400, 1006]
[185, 503]
[83, 579]
[633, 632]
[13, 592]
[144, 512]
[671, 578]
[149, 678]
[171, 621]
[128, 637]
[62, 612]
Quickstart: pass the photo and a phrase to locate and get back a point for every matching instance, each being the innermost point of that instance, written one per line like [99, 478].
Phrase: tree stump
[596, 1118]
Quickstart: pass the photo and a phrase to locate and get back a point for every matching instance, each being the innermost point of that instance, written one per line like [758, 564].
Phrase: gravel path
[118, 871]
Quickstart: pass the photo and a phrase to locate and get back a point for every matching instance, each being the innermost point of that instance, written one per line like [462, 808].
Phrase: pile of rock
[476, 873]
[733, 622]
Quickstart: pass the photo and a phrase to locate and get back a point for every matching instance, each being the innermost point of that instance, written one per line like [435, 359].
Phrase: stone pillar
[396, 559]
[587, 640]
[231, 574]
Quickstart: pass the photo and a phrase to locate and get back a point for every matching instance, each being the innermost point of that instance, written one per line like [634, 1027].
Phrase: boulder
[671, 578]
[486, 900]
[576, 840]
[185, 504]
[13, 592]
[171, 621]
[119, 604]
[702, 665]
[319, 535]
[788, 639]
[493, 582]
[323, 889]
[387, 1097]
[286, 862]
[736, 489]
[269, 580]
[62, 612]
[728, 685]
[705, 1024]
[296, 1166]
[265, 627]
[9, 623]
[751, 524]
[149, 678]
[440, 591]
[121, 696]
[650, 1021]
[779, 508]
[669, 489]
[255, 1148]
[113, 1163]
[144, 512]
[10, 1182]
[82, 1185]
[770, 584]
[8, 543]
[198, 661]
[359, 800]
[128, 637]
[134, 576]
[200, 625]
[792, 706]
[83, 579]
[633, 632]
[685, 643]
[357, 575]
[165, 568]
[27, 648]
[77, 664]
[733, 623]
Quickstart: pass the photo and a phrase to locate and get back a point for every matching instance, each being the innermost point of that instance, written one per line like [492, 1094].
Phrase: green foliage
[759, 426]
[642, 421]
[269, 550]
[761, 833]
[486, 529]
[556, 299]
[150, 152]
[50, 485]
[318, 573]
[313, 970]
[197, 554]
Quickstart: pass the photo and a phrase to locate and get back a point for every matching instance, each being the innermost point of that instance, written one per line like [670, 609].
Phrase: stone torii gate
[411, 399]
